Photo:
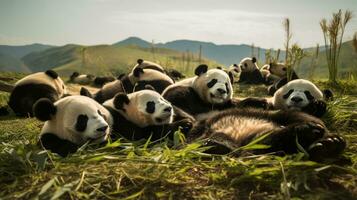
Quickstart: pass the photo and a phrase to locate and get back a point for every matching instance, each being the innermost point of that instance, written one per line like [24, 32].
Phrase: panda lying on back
[230, 129]
[146, 113]
[210, 90]
[70, 122]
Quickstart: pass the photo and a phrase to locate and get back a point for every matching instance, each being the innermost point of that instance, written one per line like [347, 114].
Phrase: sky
[90, 22]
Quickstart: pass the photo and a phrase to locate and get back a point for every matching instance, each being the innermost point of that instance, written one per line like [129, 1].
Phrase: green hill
[347, 62]
[21, 51]
[108, 59]
[9, 63]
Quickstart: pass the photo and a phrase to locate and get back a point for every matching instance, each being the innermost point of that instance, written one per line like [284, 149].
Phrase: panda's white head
[296, 94]
[77, 119]
[143, 108]
[278, 69]
[248, 64]
[213, 86]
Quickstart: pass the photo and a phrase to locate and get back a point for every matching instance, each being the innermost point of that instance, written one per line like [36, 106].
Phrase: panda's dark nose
[102, 129]
[168, 109]
[296, 99]
[221, 91]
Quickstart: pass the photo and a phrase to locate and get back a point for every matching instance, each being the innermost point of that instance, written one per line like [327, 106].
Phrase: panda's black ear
[121, 76]
[119, 100]
[140, 61]
[85, 92]
[328, 95]
[75, 74]
[235, 65]
[254, 60]
[219, 67]
[52, 74]
[231, 77]
[138, 71]
[44, 109]
[201, 69]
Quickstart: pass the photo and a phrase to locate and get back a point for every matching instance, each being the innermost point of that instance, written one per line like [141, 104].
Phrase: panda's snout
[296, 99]
[103, 128]
[221, 91]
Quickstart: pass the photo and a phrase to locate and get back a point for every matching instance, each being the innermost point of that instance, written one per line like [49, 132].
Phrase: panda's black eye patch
[212, 83]
[288, 94]
[308, 95]
[81, 123]
[100, 113]
[245, 65]
[227, 88]
[150, 107]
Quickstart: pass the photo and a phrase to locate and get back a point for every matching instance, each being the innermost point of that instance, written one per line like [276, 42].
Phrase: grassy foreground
[137, 170]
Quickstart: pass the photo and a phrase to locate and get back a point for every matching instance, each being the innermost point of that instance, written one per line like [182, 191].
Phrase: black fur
[280, 83]
[52, 74]
[174, 74]
[81, 123]
[305, 128]
[254, 60]
[150, 107]
[44, 109]
[119, 100]
[85, 92]
[211, 83]
[138, 71]
[57, 145]
[140, 61]
[158, 85]
[328, 94]
[23, 97]
[102, 80]
[74, 75]
[316, 108]
[127, 129]
[201, 69]
[252, 77]
[154, 68]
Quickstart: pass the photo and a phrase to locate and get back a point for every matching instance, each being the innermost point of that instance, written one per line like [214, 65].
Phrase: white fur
[146, 63]
[247, 65]
[299, 86]
[148, 75]
[43, 78]
[68, 109]
[136, 112]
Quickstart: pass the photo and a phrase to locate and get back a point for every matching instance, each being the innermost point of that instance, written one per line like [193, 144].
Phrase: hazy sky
[91, 22]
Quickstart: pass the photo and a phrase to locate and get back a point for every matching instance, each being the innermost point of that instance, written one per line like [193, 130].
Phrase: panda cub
[33, 87]
[99, 81]
[230, 129]
[137, 80]
[210, 90]
[273, 72]
[144, 64]
[250, 72]
[302, 95]
[146, 113]
[70, 122]
[83, 79]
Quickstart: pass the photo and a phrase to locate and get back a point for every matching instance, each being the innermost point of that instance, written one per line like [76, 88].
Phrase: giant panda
[33, 87]
[83, 79]
[70, 122]
[99, 81]
[144, 64]
[210, 90]
[145, 114]
[250, 72]
[302, 95]
[137, 80]
[231, 129]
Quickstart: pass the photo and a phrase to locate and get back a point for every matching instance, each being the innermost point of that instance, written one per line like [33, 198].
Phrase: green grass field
[139, 170]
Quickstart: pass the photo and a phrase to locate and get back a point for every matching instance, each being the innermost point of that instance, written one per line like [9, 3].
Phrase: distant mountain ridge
[21, 51]
[225, 54]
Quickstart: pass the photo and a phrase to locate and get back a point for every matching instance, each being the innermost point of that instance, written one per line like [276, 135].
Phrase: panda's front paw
[255, 103]
[316, 108]
[327, 148]
[185, 125]
[308, 133]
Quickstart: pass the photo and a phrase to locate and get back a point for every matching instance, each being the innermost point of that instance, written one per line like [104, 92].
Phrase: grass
[137, 170]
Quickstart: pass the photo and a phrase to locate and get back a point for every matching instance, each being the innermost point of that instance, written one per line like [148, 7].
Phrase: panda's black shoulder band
[52, 74]
[138, 71]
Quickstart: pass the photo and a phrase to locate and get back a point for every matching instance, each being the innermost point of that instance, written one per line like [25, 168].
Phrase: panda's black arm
[285, 118]
[252, 102]
[179, 114]
[57, 145]
[316, 108]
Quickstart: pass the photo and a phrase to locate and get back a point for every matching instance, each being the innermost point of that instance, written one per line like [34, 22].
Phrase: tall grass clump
[314, 59]
[333, 32]
[355, 41]
[293, 54]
